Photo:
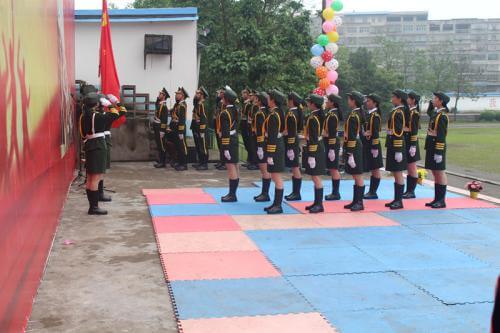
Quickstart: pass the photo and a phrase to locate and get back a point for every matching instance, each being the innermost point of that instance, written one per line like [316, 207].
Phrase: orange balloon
[324, 83]
[333, 36]
[321, 72]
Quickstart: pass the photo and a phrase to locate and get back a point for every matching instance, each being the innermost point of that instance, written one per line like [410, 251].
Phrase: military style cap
[278, 96]
[400, 93]
[203, 91]
[230, 95]
[247, 90]
[183, 91]
[262, 96]
[442, 96]
[335, 98]
[87, 88]
[165, 92]
[315, 99]
[295, 98]
[357, 97]
[374, 97]
[414, 95]
[91, 99]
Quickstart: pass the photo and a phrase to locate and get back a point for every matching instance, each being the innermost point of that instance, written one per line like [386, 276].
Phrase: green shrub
[497, 116]
[487, 116]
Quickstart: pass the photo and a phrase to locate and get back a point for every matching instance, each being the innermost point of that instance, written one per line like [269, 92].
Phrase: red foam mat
[173, 191]
[179, 199]
[172, 224]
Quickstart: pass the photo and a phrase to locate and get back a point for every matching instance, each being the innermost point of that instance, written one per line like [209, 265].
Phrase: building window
[408, 18]
[447, 27]
[422, 18]
[407, 28]
[364, 29]
[493, 56]
[435, 27]
[421, 28]
[394, 29]
[352, 30]
[393, 18]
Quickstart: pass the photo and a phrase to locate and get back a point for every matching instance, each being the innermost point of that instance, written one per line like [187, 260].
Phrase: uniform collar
[315, 110]
[413, 108]
[333, 109]
[439, 110]
[357, 109]
[398, 107]
[262, 107]
[372, 110]
[229, 106]
[294, 108]
[179, 102]
[163, 102]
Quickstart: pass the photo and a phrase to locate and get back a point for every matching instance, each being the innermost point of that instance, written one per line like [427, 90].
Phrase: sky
[438, 9]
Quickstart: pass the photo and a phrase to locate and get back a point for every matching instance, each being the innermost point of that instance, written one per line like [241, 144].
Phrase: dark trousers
[181, 148]
[160, 143]
[201, 147]
[245, 134]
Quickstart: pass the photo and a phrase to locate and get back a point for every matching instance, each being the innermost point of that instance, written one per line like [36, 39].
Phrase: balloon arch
[323, 60]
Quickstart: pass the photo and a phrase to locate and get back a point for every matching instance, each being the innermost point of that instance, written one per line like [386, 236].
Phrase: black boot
[318, 202]
[429, 204]
[295, 195]
[358, 199]
[441, 195]
[202, 167]
[93, 197]
[181, 167]
[102, 196]
[264, 195]
[335, 191]
[411, 184]
[161, 160]
[372, 193]
[349, 206]
[278, 199]
[253, 167]
[231, 196]
[398, 197]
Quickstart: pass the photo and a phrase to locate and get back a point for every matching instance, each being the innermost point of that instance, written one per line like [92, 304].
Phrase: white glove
[104, 102]
[398, 157]
[227, 155]
[270, 161]
[181, 136]
[374, 153]
[113, 99]
[331, 155]
[290, 154]
[312, 162]
[162, 135]
[260, 153]
[351, 161]
[202, 135]
[413, 151]
[438, 158]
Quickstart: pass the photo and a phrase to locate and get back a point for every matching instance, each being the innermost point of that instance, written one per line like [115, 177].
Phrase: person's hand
[438, 158]
[227, 155]
[398, 157]
[312, 162]
[181, 136]
[270, 161]
[260, 153]
[413, 151]
[113, 99]
[290, 154]
[104, 102]
[351, 161]
[331, 155]
[374, 153]
[162, 135]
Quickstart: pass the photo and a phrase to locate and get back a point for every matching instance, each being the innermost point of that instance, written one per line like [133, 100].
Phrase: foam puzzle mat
[231, 268]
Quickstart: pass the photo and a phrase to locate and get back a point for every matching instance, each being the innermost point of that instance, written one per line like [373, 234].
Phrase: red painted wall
[37, 151]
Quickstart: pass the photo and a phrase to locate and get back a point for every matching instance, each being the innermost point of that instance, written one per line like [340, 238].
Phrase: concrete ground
[110, 279]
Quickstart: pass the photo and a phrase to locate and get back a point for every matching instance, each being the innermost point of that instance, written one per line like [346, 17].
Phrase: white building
[131, 31]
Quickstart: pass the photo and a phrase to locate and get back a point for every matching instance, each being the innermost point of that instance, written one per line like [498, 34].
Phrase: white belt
[233, 132]
[280, 135]
[157, 121]
[389, 132]
[107, 133]
[93, 136]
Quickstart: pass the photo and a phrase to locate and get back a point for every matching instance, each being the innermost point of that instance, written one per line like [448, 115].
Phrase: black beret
[262, 96]
[293, 96]
[277, 96]
[203, 91]
[358, 97]
[374, 97]
[442, 96]
[400, 94]
[183, 91]
[165, 92]
[91, 99]
[335, 98]
[414, 95]
[316, 99]
[230, 95]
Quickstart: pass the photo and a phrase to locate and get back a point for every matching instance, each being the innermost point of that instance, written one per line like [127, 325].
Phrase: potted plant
[474, 188]
[421, 174]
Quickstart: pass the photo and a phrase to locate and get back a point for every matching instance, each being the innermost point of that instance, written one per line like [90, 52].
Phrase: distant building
[479, 38]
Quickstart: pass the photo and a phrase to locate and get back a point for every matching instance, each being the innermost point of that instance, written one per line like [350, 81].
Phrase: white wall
[128, 45]
[480, 104]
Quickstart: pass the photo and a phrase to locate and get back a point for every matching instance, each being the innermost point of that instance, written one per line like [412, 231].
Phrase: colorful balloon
[324, 83]
[328, 26]
[319, 91]
[337, 21]
[321, 72]
[332, 89]
[328, 14]
[337, 5]
[329, 3]
[332, 64]
[332, 47]
[327, 56]
[323, 40]
[317, 50]
[332, 76]
[333, 36]
[316, 62]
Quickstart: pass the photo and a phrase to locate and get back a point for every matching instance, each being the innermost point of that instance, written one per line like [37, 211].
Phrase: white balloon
[332, 65]
[337, 20]
[316, 62]
[332, 47]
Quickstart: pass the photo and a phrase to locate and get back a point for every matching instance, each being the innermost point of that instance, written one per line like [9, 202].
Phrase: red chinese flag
[107, 68]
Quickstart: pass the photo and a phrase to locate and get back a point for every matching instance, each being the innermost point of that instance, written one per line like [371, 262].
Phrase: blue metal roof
[139, 15]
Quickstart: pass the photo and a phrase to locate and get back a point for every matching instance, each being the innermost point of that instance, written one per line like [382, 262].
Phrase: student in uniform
[252, 153]
[275, 147]
[178, 128]
[332, 143]
[294, 124]
[244, 129]
[92, 126]
[396, 147]
[227, 130]
[372, 149]
[315, 150]
[219, 106]
[435, 147]
[198, 127]
[160, 122]
[412, 146]
[260, 142]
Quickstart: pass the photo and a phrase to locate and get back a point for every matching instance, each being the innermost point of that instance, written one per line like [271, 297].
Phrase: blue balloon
[317, 50]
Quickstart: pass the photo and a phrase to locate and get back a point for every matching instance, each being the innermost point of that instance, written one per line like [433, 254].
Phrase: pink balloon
[329, 3]
[333, 89]
[332, 76]
[328, 26]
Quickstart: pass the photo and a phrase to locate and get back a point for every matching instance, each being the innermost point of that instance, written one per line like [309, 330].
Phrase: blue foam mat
[242, 297]
[337, 293]
[460, 233]
[338, 260]
[487, 252]
[413, 217]
[454, 286]
[490, 215]
[380, 236]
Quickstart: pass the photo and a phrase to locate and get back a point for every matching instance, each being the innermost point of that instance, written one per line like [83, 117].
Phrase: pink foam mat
[205, 242]
[217, 265]
[352, 220]
[378, 205]
[179, 198]
[173, 191]
[289, 323]
[273, 222]
[174, 224]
